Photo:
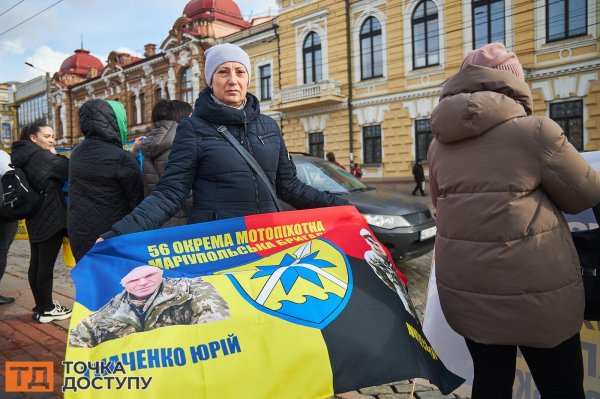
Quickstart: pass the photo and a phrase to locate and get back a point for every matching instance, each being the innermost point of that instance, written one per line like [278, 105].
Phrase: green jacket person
[150, 301]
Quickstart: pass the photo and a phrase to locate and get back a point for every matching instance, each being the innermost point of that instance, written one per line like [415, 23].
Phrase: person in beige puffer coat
[507, 272]
[156, 148]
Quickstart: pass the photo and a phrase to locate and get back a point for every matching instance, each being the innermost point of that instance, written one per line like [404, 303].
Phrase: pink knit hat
[494, 55]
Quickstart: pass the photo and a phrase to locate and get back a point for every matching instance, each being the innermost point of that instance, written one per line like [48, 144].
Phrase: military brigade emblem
[309, 284]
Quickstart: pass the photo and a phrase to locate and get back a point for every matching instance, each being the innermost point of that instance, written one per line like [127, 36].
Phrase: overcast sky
[106, 25]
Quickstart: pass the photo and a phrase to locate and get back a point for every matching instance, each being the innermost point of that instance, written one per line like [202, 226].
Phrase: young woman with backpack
[46, 172]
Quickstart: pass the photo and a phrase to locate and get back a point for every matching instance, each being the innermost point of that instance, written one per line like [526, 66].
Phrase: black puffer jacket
[46, 172]
[105, 180]
[223, 184]
[156, 149]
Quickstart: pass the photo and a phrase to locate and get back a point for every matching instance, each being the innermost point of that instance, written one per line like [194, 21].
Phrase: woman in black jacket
[223, 184]
[105, 181]
[46, 172]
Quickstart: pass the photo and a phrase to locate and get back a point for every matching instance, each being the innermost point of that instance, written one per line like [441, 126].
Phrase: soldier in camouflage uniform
[382, 266]
[150, 301]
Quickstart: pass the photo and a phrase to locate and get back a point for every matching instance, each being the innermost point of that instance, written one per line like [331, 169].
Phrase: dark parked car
[406, 227]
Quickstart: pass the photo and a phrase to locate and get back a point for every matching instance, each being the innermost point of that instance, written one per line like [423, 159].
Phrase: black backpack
[587, 244]
[19, 199]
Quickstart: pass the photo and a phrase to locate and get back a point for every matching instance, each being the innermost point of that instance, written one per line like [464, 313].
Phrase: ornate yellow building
[359, 77]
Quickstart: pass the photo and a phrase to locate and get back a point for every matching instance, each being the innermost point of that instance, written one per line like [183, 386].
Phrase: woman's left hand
[137, 144]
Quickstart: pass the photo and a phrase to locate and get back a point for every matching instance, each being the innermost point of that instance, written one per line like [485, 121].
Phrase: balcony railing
[320, 93]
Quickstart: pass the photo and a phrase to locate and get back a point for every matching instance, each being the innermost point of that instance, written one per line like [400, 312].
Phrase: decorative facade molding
[408, 95]
[370, 115]
[565, 87]
[314, 123]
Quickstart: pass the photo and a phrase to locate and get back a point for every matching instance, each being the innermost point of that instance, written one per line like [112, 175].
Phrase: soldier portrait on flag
[382, 266]
[150, 301]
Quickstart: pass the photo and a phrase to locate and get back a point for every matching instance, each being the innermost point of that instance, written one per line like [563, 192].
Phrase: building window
[132, 119]
[372, 144]
[265, 82]
[142, 106]
[565, 19]
[425, 35]
[185, 86]
[371, 55]
[569, 115]
[59, 123]
[34, 110]
[423, 137]
[316, 144]
[158, 95]
[488, 22]
[311, 58]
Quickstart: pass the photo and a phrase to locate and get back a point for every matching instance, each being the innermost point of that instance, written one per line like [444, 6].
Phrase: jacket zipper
[245, 135]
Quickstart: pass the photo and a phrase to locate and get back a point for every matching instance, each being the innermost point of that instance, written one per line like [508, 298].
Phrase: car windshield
[326, 176]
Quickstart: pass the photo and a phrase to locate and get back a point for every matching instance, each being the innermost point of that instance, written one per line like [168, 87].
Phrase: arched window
[425, 35]
[185, 86]
[371, 49]
[311, 57]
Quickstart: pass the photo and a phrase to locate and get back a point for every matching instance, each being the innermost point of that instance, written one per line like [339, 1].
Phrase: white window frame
[367, 11]
[467, 8]
[315, 22]
[257, 65]
[409, 69]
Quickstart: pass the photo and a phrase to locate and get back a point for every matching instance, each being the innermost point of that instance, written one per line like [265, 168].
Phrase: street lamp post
[48, 100]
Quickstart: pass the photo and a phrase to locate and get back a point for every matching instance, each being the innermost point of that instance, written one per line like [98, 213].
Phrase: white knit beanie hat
[221, 53]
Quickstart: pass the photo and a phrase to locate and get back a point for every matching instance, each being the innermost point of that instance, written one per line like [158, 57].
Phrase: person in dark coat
[46, 172]
[105, 180]
[223, 184]
[331, 158]
[419, 176]
[8, 229]
[156, 148]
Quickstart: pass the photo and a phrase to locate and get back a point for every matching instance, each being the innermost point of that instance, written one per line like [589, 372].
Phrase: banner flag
[300, 304]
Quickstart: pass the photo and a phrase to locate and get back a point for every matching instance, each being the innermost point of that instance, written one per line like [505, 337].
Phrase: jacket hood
[156, 141]
[206, 108]
[98, 120]
[477, 99]
[22, 150]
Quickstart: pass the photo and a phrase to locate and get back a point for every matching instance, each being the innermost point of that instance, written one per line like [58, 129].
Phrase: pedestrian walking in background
[222, 182]
[357, 171]
[331, 158]
[156, 148]
[105, 180]
[419, 176]
[507, 272]
[8, 229]
[46, 172]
